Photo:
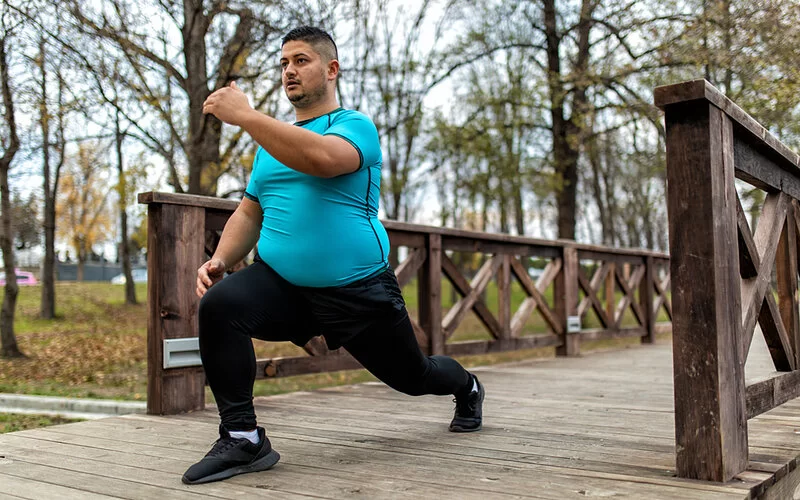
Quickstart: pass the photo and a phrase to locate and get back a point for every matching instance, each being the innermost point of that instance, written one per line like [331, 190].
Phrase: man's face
[303, 73]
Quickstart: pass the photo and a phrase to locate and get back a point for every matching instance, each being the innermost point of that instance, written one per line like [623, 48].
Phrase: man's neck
[319, 109]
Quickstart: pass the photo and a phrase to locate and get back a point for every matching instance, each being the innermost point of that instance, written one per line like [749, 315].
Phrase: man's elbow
[330, 167]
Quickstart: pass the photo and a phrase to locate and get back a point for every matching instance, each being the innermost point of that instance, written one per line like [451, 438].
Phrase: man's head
[319, 39]
[309, 66]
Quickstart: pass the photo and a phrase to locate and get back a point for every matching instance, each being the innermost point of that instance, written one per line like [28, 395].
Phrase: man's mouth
[292, 83]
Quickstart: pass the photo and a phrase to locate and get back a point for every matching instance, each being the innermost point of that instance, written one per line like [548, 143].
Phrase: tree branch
[125, 44]
[8, 102]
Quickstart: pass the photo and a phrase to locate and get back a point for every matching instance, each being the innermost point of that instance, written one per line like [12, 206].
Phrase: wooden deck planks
[596, 425]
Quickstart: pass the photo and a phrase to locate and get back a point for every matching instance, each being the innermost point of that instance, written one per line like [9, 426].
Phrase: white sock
[474, 384]
[251, 435]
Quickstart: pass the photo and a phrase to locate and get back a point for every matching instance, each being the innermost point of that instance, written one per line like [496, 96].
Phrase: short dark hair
[319, 39]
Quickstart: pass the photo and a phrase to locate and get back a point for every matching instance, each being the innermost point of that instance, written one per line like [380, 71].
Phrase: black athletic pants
[368, 318]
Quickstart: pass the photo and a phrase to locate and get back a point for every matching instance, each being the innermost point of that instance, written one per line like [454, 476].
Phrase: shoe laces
[468, 404]
[222, 445]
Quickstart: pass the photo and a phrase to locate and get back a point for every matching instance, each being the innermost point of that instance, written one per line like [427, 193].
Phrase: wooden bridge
[630, 423]
[594, 426]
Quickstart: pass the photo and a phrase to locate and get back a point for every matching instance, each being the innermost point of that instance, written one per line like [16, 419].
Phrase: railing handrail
[626, 293]
[754, 132]
[211, 202]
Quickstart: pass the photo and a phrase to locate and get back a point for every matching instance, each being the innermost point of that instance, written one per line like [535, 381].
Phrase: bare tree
[220, 42]
[122, 194]
[51, 174]
[584, 55]
[11, 144]
[400, 55]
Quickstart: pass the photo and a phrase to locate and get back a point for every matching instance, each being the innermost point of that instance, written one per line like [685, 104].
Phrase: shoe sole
[263, 463]
[465, 429]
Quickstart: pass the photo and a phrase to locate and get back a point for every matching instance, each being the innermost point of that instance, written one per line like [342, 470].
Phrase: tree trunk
[81, 266]
[48, 306]
[566, 197]
[567, 131]
[47, 309]
[519, 210]
[205, 131]
[125, 248]
[562, 152]
[609, 188]
[502, 201]
[727, 26]
[8, 341]
[596, 163]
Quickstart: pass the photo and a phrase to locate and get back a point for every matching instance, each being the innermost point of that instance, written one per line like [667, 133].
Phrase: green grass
[12, 422]
[96, 347]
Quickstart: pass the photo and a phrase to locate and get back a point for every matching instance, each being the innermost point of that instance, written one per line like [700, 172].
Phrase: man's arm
[295, 147]
[238, 238]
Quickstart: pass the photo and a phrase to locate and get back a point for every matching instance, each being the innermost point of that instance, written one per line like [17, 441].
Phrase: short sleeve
[251, 192]
[358, 130]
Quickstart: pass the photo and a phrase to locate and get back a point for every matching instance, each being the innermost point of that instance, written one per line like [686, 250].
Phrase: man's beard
[306, 99]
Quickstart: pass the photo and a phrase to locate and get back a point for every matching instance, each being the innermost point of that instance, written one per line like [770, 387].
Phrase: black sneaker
[230, 457]
[469, 411]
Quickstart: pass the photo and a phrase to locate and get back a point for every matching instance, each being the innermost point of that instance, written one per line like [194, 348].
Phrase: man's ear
[333, 69]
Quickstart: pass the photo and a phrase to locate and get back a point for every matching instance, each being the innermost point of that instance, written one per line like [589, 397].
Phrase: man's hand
[229, 104]
[208, 274]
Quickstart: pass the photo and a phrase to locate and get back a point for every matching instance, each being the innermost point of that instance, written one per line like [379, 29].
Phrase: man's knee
[214, 305]
[415, 381]
[411, 387]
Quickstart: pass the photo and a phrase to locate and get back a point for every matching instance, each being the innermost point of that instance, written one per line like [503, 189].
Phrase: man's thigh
[263, 304]
[346, 312]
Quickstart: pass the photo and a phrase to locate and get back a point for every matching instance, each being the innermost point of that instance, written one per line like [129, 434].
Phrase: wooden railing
[625, 289]
[722, 274]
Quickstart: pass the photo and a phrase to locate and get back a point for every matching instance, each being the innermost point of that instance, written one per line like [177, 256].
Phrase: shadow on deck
[597, 426]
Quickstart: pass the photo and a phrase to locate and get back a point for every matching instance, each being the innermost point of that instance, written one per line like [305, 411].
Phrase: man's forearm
[238, 239]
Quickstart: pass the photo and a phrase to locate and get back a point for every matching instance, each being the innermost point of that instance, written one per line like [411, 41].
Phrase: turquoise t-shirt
[320, 232]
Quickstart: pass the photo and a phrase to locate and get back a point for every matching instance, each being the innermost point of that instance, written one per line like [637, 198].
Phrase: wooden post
[710, 417]
[786, 274]
[566, 302]
[504, 297]
[611, 297]
[175, 238]
[646, 301]
[429, 293]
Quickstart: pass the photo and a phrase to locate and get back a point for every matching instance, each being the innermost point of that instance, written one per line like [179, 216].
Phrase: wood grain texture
[701, 92]
[710, 418]
[595, 426]
[175, 249]
[405, 234]
[749, 261]
[646, 301]
[786, 282]
[775, 335]
[429, 294]
[536, 297]
[566, 304]
[767, 238]
[470, 296]
[592, 299]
